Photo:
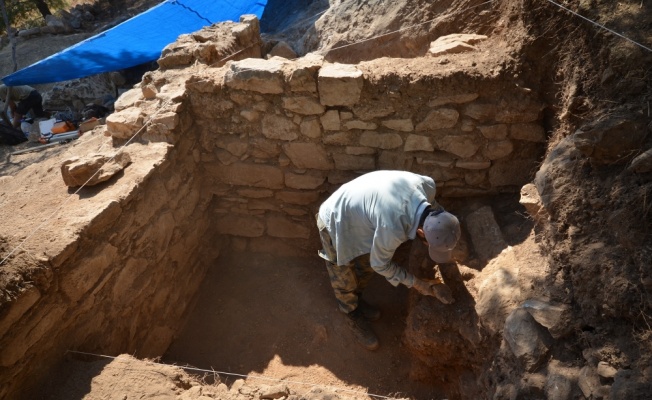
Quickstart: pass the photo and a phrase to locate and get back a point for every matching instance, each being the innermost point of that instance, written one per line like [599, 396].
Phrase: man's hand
[434, 289]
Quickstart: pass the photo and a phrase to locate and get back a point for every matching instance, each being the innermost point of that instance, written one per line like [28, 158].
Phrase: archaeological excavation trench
[201, 251]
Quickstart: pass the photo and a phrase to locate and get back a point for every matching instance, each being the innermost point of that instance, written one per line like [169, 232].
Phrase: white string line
[403, 29]
[601, 26]
[261, 377]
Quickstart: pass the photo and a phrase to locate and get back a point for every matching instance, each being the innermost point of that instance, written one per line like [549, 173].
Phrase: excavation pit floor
[276, 317]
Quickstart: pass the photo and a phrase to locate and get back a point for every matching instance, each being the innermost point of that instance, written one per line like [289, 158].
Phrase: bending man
[363, 223]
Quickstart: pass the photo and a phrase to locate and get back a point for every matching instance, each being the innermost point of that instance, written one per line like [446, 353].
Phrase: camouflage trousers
[348, 281]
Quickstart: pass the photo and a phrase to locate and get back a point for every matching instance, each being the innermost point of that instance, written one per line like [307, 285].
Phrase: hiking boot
[361, 330]
[370, 312]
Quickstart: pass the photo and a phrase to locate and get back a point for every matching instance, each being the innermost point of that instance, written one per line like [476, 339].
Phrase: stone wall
[277, 136]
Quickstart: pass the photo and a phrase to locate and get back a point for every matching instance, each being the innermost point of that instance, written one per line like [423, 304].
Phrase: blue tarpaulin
[136, 41]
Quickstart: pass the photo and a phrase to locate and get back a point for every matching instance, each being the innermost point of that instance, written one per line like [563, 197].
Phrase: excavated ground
[274, 316]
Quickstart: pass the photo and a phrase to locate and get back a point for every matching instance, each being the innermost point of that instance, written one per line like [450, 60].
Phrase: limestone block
[93, 169]
[275, 392]
[255, 193]
[278, 127]
[128, 99]
[282, 49]
[250, 115]
[467, 125]
[531, 200]
[125, 124]
[301, 198]
[530, 132]
[494, 150]
[514, 172]
[359, 150]
[341, 139]
[381, 140]
[485, 233]
[278, 226]
[256, 75]
[441, 118]
[438, 158]
[304, 181]
[263, 148]
[418, 143]
[494, 132]
[455, 43]
[302, 74]
[308, 155]
[527, 340]
[331, 120]
[370, 110]
[239, 225]
[556, 317]
[346, 115]
[518, 113]
[480, 111]
[463, 146]
[355, 124]
[232, 144]
[606, 371]
[339, 85]
[468, 164]
[495, 297]
[402, 125]
[641, 163]
[454, 99]
[256, 175]
[310, 127]
[476, 178]
[347, 162]
[304, 105]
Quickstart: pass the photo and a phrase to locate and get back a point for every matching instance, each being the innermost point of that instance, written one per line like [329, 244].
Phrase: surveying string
[260, 377]
[601, 26]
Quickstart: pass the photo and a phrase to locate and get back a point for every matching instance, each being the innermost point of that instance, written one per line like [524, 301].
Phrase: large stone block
[403, 125]
[494, 150]
[308, 155]
[256, 175]
[279, 127]
[256, 75]
[454, 99]
[304, 105]
[528, 341]
[331, 120]
[339, 85]
[347, 162]
[441, 118]
[310, 127]
[485, 233]
[375, 109]
[418, 143]
[126, 123]
[463, 146]
[558, 318]
[381, 140]
[93, 169]
[303, 181]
